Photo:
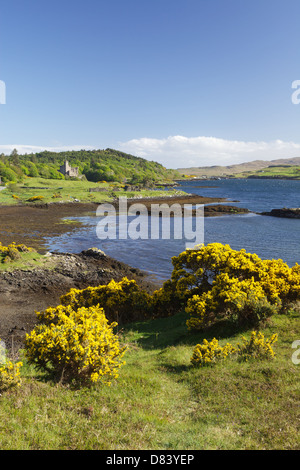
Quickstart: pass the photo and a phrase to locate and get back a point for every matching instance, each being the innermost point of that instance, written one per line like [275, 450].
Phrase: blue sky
[183, 82]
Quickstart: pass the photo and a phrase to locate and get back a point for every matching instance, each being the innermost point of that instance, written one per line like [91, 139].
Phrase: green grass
[70, 191]
[161, 402]
[27, 261]
[273, 171]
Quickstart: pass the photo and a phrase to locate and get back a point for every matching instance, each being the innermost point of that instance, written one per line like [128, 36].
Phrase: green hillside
[94, 165]
[273, 171]
[280, 167]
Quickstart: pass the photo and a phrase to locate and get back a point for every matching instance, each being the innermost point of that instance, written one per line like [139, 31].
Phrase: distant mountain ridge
[255, 165]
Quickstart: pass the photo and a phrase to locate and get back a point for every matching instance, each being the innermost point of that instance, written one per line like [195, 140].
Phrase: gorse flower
[35, 198]
[122, 301]
[215, 281]
[10, 374]
[12, 252]
[257, 347]
[210, 282]
[76, 344]
[211, 352]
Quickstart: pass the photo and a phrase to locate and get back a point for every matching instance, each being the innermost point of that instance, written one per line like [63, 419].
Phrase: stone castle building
[68, 170]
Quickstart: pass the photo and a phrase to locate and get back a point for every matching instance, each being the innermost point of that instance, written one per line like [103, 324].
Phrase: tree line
[94, 165]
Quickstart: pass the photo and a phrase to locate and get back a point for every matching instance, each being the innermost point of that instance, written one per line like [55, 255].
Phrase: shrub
[122, 301]
[253, 310]
[12, 252]
[76, 345]
[9, 372]
[257, 347]
[215, 281]
[244, 302]
[167, 300]
[35, 198]
[210, 352]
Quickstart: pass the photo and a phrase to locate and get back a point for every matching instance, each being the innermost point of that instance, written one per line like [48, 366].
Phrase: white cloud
[183, 152]
[22, 149]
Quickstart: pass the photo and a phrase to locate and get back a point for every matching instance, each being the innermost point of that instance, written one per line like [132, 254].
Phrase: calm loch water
[269, 237]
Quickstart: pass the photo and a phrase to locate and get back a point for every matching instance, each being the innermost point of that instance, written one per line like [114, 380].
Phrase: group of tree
[94, 165]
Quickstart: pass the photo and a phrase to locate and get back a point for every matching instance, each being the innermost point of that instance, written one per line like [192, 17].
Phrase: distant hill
[256, 165]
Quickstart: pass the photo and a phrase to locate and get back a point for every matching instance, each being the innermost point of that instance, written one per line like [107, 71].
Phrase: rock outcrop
[292, 213]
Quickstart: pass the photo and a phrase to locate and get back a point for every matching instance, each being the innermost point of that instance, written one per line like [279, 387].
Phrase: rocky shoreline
[33, 224]
[212, 206]
[24, 291]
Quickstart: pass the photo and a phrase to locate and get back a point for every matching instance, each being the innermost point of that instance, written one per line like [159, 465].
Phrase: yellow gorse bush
[257, 347]
[210, 282]
[211, 352]
[35, 198]
[122, 301]
[12, 252]
[77, 344]
[9, 373]
[215, 281]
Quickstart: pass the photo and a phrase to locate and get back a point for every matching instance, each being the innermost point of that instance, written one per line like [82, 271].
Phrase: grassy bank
[161, 402]
[36, 190]
[27, 261]
[290, 172]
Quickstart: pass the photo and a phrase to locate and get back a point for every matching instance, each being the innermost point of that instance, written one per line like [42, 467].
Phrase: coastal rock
[217, 210]
[94, 252]
[290, 213]
[24, 291]
[220, 209]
